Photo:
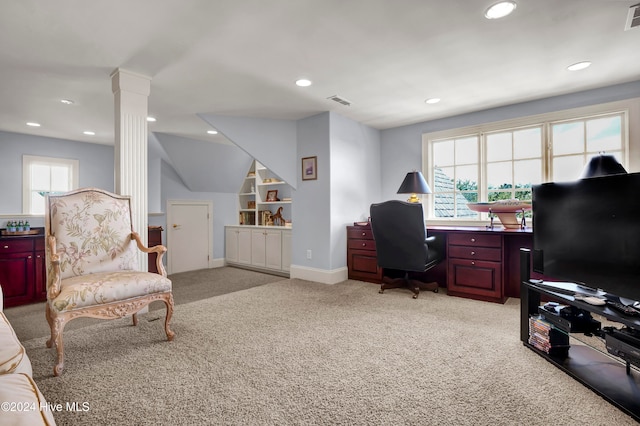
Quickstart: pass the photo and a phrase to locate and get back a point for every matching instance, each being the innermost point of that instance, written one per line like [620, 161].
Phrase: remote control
[627, 310]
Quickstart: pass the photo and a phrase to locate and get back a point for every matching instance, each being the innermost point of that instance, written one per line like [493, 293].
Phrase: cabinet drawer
[16, 246]
[361, 244]
[474, 240]
[359, 233]
[478, 253]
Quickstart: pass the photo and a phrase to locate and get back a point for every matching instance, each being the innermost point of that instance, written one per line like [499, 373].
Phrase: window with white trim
[45, 174]
[504, 160]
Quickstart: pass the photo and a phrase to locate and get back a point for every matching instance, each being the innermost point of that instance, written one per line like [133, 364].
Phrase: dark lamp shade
[414, 183]
[602, 165]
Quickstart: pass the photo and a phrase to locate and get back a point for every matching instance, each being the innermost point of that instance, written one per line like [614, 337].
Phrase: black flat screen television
[588, 232]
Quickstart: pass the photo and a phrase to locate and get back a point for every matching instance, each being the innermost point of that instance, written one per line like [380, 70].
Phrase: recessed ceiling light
[32, 124]
[66, 101]
[579, 66]
[151, 119]
[212, 132]
[500, 10]
[89, 133]
[303, 82]
[432, 101]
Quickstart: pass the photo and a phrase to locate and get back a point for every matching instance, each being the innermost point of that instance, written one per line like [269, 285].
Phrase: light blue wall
[272, 142]
[311, 202]
[225, 205]
[355, 179]
[401, 148]
[96, 165]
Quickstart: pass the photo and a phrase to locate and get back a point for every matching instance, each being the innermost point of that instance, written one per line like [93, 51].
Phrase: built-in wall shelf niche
[265, 199]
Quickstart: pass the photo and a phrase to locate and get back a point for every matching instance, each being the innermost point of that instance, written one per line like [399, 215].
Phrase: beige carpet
[29, 321]
[301, 353]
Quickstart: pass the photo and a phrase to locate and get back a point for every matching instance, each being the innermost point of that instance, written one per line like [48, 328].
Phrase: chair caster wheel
[435, 290]
[415, 296]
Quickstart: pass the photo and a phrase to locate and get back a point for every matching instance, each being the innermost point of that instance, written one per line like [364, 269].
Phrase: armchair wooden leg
[57, 329]
[135, 319]
[50, 321]
[169, 302]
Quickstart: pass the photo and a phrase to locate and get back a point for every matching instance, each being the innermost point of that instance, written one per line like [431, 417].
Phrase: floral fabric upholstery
[93, 233]
[98, 258]
[12, 354]
[105, 287]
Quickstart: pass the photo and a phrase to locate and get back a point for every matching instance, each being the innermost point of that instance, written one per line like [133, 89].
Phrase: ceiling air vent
[633, 18]
[339, 100]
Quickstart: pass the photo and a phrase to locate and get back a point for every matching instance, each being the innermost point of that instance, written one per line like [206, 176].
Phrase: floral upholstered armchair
[92, 268]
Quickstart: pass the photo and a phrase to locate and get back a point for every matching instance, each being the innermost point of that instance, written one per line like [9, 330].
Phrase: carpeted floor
[300, 353]
[29, 321]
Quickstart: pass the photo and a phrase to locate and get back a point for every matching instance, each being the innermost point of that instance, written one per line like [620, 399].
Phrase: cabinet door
[286, 251]
[258, 254]
[475, 279]
[273, 249]
[244, 246]
[231, 244]
[16, 278]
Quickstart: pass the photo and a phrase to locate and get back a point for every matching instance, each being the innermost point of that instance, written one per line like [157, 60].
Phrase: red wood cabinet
[154, 238]
[20, 278]
[475, 266]
[362, 262]
[480, 263]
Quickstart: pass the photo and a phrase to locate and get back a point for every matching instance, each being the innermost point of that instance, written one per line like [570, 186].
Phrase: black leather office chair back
[399, 232]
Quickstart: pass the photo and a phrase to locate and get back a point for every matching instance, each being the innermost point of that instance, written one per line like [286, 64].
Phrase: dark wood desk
[480, 263]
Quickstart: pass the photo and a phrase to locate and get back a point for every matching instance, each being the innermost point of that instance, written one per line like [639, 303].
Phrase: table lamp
[602, 165]
[414, 183]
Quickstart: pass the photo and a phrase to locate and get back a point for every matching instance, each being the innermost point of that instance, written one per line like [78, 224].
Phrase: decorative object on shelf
[505, 210]
[253, 189]
[265, 217]
[272, 195]
[251, 174]
[19, 228]
[602, 165]
[251, 204]
[277, 218]
[414, 183]
[310, 168]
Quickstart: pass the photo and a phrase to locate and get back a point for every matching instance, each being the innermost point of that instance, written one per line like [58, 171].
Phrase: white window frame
[29, 160]
[630, 110]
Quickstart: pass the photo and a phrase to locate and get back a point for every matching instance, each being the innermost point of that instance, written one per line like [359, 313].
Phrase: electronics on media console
[569, 318]
[624, 343]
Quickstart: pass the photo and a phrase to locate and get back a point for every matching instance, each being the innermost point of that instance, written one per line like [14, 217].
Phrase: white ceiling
[242, 57]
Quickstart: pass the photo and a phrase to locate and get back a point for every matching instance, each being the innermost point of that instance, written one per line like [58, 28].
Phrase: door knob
[175, 225]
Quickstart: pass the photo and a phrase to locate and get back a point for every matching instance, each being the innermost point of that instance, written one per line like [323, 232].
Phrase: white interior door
[189, 235]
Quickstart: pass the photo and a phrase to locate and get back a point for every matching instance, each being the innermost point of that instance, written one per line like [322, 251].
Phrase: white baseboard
[319, 275]
[216, 263]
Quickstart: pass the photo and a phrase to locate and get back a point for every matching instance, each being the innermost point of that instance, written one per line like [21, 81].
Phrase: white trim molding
[319, 275]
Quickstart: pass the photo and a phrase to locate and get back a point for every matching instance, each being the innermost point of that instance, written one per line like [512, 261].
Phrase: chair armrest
[159, 249]
[53, 269]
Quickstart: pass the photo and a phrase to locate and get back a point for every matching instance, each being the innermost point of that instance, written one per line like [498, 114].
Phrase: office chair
[401, 245]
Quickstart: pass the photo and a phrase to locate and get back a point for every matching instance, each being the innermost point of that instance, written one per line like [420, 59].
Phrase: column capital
[128, 81]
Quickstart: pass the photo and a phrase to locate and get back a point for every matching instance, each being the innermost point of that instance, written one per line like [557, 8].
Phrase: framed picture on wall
[310, 168]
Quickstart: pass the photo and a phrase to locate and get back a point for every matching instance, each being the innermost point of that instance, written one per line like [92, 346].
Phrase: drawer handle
[473, 240]
[473, 263]
[473, 253]
[6, 246]
[364, 244]
[364, 233]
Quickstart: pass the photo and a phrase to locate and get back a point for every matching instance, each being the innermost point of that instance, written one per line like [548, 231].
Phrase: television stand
[609, 376]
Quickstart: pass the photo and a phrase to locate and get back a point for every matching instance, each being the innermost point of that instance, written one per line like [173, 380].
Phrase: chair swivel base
[413, 285]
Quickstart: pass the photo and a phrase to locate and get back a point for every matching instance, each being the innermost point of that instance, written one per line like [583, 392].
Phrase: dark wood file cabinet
[361, 255]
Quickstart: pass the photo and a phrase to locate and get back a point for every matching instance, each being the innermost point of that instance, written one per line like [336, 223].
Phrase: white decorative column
[131, 93]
